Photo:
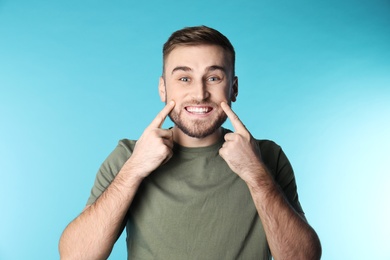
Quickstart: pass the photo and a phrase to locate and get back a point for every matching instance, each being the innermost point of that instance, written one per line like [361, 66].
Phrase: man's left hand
[240, 150]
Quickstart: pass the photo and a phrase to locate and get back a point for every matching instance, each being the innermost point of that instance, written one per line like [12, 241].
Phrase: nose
[200, 91]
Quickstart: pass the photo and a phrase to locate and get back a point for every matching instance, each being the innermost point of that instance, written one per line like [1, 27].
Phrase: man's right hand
[154, 147]
[93, 233]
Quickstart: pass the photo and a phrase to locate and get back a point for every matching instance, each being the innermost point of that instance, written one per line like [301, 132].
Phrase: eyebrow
[217, 67]
[210, 68]
[182, 68]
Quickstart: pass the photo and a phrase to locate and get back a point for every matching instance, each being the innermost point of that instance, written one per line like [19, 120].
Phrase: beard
[198, 128]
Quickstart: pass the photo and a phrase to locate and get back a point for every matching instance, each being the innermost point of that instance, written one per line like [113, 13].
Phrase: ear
[161, 90]
[234, 92]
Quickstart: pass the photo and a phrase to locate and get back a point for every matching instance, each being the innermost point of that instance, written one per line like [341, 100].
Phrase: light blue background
[77, 76]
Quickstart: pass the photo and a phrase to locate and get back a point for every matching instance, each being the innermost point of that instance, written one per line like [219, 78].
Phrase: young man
[197, 190]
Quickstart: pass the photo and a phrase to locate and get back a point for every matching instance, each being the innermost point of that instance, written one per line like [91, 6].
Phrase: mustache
[199, 103]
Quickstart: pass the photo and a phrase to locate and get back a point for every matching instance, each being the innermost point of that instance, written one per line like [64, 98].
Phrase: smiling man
[198, 86]
[196, 190]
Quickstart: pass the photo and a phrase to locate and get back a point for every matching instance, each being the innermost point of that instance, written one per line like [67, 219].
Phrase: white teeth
[198, 110]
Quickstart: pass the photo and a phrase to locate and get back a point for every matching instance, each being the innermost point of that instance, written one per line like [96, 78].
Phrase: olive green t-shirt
[195, 206]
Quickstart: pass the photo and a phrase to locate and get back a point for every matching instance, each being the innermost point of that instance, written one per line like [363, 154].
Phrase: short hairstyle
[199, 35]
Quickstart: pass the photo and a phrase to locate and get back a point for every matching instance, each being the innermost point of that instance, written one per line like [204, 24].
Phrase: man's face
[198, 79]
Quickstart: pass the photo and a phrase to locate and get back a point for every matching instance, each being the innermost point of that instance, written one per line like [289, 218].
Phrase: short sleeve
[110, 168]
[282, 171]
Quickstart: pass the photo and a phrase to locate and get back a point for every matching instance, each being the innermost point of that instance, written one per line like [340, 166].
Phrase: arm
[289, 235]
[93, 233]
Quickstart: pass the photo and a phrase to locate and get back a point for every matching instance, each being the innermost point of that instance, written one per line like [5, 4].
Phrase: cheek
[173, 94]
[222, 96]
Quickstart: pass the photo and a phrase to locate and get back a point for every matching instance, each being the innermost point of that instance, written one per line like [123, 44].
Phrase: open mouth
[199, 110]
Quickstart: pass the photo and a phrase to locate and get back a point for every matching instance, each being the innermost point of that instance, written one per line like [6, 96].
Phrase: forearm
[288, 234]
[93, 233]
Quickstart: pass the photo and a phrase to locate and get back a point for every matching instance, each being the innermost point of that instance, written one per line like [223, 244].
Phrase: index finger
[160, 118]
[236, 122]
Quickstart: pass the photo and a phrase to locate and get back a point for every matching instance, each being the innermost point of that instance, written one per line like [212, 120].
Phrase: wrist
[136, 167]
[132, 174]
[259, 179]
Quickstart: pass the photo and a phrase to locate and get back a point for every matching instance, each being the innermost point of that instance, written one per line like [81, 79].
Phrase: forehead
[197, 56]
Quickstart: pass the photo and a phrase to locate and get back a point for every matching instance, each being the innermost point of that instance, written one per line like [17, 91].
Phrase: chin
[200, 129]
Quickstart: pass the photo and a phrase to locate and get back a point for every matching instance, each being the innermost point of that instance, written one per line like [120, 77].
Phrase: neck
[188, 141]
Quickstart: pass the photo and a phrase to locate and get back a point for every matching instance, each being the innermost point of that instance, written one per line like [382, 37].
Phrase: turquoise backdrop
[77, 76]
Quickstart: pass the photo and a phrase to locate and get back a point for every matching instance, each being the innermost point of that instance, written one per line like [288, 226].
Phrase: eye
[213, 79]
[184, 79]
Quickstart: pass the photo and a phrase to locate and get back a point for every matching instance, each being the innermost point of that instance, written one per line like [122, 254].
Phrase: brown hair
[199, 35]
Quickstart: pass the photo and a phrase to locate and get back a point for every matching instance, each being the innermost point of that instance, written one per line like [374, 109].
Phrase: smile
[199, 110]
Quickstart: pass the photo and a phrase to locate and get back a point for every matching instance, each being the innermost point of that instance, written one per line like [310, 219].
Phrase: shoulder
[120, 154]
[274, 157]
[126, 145]
[268, 145]
[269, 149]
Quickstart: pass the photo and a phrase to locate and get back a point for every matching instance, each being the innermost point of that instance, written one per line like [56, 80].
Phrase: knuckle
[247, 136]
